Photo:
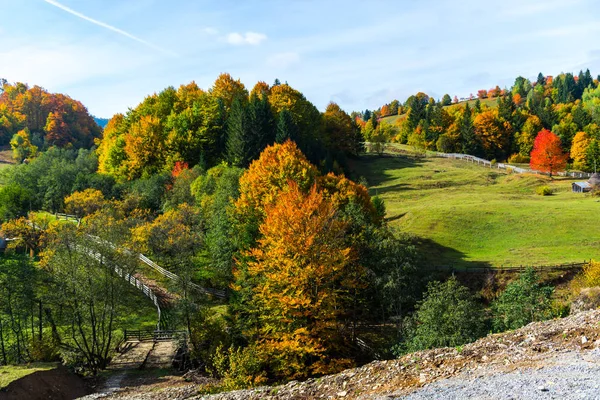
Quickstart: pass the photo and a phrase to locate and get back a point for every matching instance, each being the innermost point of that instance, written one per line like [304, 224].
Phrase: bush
[544, 191]
[523, 301]
[591, 274]
[238, 367]
[448, 316]
[518, 159]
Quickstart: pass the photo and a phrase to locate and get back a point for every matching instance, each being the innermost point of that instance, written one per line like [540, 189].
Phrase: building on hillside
[581, 187]
[584, 187]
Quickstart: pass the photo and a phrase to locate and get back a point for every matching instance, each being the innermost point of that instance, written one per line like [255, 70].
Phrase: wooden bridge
[145, 349]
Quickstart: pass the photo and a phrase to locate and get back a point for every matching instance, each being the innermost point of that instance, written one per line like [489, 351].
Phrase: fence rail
[507, 167]
[151, 334]
[221, 294]
[519, 268]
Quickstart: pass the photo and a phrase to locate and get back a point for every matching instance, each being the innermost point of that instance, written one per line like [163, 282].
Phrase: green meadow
[468, 215]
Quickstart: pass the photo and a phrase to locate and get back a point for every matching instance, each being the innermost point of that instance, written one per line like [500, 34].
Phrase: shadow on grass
[437, 257]
[375, 168]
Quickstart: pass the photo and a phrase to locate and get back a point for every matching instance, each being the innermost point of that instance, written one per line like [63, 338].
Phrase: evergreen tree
[239, 136]
[286, 127]
[506, 107]
[261, 125]
[541, 80]
[477, 106]
[470, 141]
[366, 115]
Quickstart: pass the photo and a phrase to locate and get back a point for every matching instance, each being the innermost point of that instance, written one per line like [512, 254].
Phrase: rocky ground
[551, 359]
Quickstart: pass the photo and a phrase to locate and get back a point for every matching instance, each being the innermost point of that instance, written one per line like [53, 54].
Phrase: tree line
[567, 105]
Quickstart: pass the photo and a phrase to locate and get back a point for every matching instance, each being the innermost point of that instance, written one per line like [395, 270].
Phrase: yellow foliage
[581, 141]
[84, 203]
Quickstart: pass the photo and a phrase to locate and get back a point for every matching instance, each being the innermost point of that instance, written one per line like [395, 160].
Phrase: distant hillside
[492, 103]
[102, 122]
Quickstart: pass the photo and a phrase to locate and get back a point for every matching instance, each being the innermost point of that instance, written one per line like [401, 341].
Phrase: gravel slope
[570, 375]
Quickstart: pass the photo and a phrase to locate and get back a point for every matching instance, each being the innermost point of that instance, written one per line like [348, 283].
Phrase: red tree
[547, 154]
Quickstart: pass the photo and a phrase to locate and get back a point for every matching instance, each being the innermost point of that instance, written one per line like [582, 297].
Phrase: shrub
[544, 191]
[523, 301]
[238, 367]
[448, 316]
[591, 274]
[518, 159]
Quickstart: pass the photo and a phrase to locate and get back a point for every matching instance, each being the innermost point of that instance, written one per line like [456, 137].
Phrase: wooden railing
[507, 167]
[149, 334]
[519, 268]
[221, 294]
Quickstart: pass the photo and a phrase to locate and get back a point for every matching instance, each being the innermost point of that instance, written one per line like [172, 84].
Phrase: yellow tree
[494, 133]
[579, 148]
[84, 203]
[270, 174]
[305, 272]
[228, 89]
[145, 147]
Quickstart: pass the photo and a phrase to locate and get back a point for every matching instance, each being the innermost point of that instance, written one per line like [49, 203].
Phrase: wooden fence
[221, 294]
[517, 269]
[507, 167]
[150, 334]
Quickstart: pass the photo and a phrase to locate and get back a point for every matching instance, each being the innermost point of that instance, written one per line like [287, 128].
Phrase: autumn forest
[255, 194]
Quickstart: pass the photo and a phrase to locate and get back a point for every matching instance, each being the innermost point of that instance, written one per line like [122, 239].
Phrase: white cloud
[251, 38]
[283, 60]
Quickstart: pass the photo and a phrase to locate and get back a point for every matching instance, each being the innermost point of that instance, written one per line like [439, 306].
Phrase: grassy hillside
[492, 103]
[11, 373]
[468, 215]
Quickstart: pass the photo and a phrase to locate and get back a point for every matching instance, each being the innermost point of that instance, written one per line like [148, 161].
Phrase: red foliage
[482, 94]
[547, 154]
[179, 167]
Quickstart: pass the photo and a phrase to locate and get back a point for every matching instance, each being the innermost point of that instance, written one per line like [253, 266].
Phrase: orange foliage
[547, 154]
[305, 272]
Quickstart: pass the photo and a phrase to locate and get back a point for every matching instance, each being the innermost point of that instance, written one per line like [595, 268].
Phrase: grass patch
[468, 215]
[11, 373]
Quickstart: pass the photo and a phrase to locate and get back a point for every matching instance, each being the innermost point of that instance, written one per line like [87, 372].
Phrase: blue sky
[360, 54]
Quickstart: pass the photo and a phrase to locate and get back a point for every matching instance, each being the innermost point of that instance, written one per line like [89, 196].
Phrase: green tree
[522, 302]
[15, 202]
[239, 135]
[448, 316]
[446, 100]
[469, 139]
[286, 127]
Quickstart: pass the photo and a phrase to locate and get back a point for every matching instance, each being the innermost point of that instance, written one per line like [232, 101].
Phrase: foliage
[84, 203]
[591, 274]
[56, 119]
[522, 302]
[306, 274]
[544, 190]
[448, 316]
[547, 154]
[238, 367]
[15, 201]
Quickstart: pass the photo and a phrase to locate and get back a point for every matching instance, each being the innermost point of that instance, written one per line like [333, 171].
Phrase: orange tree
[315, 260]
[547, 154]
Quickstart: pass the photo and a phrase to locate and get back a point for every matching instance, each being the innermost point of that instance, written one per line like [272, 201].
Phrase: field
[468, 215]
[492, 103]
[9, 374]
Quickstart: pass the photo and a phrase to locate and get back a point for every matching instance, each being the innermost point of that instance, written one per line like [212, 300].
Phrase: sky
[110, 54]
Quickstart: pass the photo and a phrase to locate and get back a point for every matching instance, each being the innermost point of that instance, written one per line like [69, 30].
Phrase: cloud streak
[251, 38]
[106, 26]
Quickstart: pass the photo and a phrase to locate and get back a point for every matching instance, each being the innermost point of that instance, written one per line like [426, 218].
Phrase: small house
[584, 187]
[581, 187]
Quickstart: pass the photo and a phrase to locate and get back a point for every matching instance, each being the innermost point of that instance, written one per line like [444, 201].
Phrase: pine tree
[238, 135]
[261, 125]
[470, 141]
[286, 127]
[541, 80]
